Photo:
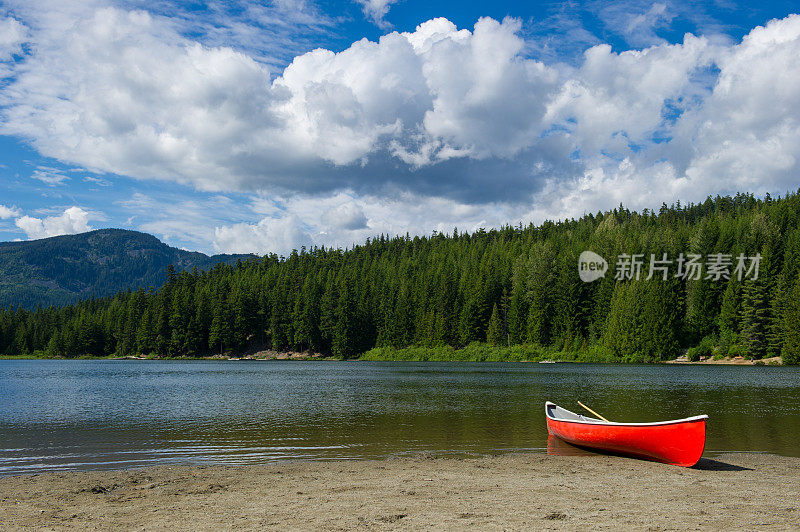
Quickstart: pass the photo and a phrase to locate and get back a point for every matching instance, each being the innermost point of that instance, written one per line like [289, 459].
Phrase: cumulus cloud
[426, 110]
[270, 235]
[71, 221]
[747, 133]
[348, 216]
[461, 116]
[346, 219]
[8, 212]
[127, 94]
[121, 93]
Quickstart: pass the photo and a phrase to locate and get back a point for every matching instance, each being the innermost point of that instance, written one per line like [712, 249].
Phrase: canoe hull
[678, 443]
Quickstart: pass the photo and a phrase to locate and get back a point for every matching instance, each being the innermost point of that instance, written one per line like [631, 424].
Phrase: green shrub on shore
[484, 352]
[704, 349]
[736, 350]
[474, 352]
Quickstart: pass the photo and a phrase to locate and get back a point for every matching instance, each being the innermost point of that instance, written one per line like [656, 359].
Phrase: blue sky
[265, 126]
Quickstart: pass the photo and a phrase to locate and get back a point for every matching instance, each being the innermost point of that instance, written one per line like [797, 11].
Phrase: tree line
[513, 286]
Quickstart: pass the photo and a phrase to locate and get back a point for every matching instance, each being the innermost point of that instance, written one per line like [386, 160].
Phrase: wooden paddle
[593, 412]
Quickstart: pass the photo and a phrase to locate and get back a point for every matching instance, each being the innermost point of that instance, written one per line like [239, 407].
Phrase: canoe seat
[557, 412]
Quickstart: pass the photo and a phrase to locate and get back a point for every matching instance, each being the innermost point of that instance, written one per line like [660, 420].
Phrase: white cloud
[71, 221]
[12, 35]
[638, 22]
[376, 10]
[49, 175]
[615, 100]
[125, 93]
[460, 117]
[341, 220]
[348, 216]
[179, 220]
[487, 100]
[270, 235]
[746, 136]
[8, 212]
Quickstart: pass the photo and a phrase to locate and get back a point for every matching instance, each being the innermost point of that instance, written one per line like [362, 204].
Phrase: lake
[101, 414]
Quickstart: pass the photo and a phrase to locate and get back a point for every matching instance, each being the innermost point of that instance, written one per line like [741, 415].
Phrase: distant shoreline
[515, 491]
[728, 361]
[266, 356]
[270, 356]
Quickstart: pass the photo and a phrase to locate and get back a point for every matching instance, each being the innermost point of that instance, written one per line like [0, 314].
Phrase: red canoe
[679, 442]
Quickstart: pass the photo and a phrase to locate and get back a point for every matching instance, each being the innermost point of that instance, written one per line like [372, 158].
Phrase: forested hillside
[512, 286]
[65, 269]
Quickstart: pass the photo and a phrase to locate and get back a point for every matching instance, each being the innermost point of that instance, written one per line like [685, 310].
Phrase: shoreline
[727, 361]
[516, 491]
[301, 357]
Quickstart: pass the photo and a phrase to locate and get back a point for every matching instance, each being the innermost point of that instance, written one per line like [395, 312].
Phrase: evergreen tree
[623, 327]
[791, 327]
[540, 294]
[730, 311]
[342, 343]
[755, 318]
[496, 334]
[471, 325]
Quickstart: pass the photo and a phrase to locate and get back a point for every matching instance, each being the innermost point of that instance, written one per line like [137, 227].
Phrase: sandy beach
[728, 361]
[508, 492]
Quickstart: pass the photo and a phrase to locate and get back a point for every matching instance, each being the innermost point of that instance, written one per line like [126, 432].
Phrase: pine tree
[218, 331]
[621, 326]
[540, 295]
[791, 327]
[658, 317]
[445, 303]
[495, 334]
[730, 311]
[755, 318]
[343, 341]
[471, 327]
[328, 319]
[55, 347]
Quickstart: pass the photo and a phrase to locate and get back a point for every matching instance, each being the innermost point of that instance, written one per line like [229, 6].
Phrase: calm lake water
[88, 414]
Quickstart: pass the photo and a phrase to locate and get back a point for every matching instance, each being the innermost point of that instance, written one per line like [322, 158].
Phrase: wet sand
[508, 492]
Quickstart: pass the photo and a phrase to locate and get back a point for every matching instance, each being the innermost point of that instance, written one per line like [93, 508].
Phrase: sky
[260, 127]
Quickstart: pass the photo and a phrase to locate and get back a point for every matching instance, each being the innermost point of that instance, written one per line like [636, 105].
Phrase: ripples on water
[58, 414]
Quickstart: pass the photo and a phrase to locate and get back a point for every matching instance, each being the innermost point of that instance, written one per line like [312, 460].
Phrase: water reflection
[100, 414]
[558, 447]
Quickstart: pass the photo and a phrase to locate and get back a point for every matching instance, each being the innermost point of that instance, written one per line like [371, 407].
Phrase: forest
[508, 293]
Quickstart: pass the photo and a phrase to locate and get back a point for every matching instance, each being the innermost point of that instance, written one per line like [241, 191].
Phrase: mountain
[64, 269]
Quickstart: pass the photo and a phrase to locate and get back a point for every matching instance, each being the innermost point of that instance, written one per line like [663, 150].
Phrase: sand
[507, 492]
[736, 361]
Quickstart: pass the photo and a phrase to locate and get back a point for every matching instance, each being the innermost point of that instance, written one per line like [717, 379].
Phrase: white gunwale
[592, 421]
